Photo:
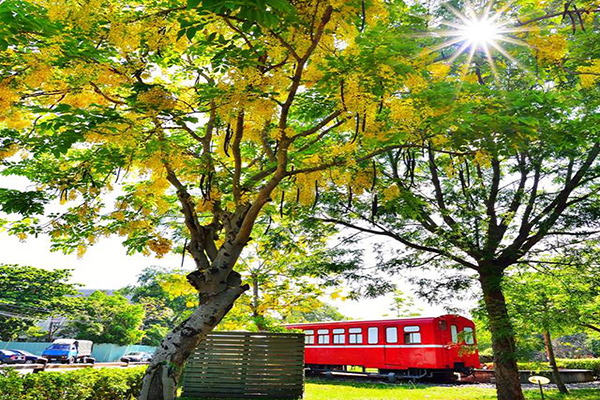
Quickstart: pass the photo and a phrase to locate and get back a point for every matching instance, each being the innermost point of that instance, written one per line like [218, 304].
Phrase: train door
[392, 349]
[451, 338]
[447, 330]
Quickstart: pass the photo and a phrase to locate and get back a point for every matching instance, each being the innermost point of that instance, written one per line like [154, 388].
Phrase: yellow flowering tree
[169, 122]
[166, 121]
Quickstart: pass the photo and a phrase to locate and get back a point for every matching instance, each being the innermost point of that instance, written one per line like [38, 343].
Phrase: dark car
[30, 358]
[137, 356]
[10, 357]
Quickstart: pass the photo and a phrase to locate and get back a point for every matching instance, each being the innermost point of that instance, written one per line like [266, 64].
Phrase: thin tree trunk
[259, 320]
[162, 376]
[508, 385]
[552, 360]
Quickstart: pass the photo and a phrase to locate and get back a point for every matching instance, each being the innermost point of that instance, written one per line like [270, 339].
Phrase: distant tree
[31, 294]
[163, 310]
[106, 318]
[403, 305]
[557, 296]
[324, 312]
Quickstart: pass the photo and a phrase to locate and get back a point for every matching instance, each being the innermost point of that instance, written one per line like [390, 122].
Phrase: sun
[478, 31]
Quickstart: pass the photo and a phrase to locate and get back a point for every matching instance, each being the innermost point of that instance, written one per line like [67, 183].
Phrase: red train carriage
[410, 347]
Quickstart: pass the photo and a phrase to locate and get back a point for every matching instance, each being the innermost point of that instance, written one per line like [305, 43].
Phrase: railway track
[389, 377]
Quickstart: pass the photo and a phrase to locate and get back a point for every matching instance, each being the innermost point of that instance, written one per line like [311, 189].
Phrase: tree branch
[401, 240]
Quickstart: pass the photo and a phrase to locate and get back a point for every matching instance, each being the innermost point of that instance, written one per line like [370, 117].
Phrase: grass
[327, 390]
[337, 390]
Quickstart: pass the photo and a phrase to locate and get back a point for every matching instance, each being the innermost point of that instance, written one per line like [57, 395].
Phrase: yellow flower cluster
[106, 76]
[362, 181]
[404, 113]
[176, 285]
[589, 74]
[306, 184]
[551, 48]
[439, 71]
[16, 120]
[126, 37]
[72, 12]
[38, 74]
[415, 83]
[157, 98]
[83, 99]
[160, 246]
[391, 193]
[439, 140]
[7, 97]
[9, 151]
[356, 98]
[482, 158]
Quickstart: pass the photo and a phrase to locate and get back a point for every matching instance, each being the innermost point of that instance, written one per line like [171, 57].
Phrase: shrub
[566, 363]
[83, 384]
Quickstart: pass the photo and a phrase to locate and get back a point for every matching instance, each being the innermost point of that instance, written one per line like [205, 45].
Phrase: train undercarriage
[393, 375]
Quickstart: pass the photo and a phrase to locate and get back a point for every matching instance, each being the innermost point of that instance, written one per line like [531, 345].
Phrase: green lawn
[331, 390]
[327, 390]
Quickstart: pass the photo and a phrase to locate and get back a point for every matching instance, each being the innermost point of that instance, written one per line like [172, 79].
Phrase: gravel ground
[583, 385]
[526, 386]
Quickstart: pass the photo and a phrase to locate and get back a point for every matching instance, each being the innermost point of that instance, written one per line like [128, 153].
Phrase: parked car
[30, 358]
[10, 357]
[68, 351]
[137, 356]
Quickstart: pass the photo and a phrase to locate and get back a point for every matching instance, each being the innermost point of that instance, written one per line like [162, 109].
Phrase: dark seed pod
[316, 194]
[374, 207]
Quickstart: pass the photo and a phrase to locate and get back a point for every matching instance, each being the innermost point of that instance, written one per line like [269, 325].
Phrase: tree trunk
[503, 342]
[162, 376]
[259, 319]
[552, 360]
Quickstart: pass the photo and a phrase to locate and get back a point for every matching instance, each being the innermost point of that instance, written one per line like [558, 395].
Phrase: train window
[373, 335]
[355, 335]
[309, 337]
[443, 325]
[469, 339]
[323, 336]
[454, 333]
[338, 336]
[412, 335]
[391, 334]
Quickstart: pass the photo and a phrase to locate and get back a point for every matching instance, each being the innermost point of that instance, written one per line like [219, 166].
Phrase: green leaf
[192, 4]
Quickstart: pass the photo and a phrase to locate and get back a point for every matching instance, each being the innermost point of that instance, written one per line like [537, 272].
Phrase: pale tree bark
[552, 360]
[218, 286]
[162, 376]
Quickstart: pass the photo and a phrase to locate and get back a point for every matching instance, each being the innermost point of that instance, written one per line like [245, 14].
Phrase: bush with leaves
[83, 384]
[592, 364]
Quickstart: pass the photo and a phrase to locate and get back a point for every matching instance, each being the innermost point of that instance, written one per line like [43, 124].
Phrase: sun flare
[478, 31]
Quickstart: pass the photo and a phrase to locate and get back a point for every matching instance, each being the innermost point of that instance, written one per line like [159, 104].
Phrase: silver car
[137, 356]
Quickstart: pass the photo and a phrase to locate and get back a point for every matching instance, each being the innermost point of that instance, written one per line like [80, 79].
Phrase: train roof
[379, 321]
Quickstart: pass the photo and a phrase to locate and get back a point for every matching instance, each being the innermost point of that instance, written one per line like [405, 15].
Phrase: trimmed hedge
[82, 384]
[566, 363]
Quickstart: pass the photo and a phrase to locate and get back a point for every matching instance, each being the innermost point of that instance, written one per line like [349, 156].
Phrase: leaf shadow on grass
[366, 384]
